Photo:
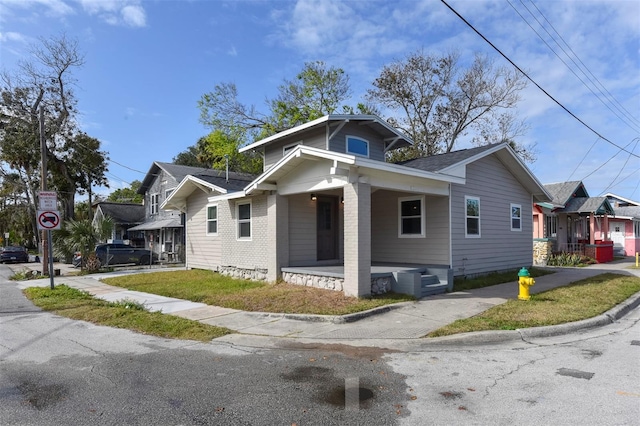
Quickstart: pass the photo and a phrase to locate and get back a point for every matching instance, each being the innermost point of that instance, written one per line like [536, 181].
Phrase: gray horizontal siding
[245, 254]
[302, 231]
[376, 144]
[498, 248]
[202, 251]
[388, 247]
[273, 152]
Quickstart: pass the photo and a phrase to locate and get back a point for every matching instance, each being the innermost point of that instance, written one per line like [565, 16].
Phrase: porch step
[430, 285]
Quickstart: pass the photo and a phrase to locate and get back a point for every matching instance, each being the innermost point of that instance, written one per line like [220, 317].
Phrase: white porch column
[277, 235]
[357, 239]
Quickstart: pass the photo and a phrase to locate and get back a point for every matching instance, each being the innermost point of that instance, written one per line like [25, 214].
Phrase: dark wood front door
[327, 228]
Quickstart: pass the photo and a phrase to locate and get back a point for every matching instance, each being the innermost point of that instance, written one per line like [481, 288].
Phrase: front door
[327, 228]
[616, 230]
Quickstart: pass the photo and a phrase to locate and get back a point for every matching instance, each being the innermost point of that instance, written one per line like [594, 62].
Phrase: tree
[127, 195]
[218, 149]
[82, 236]
[190, 157]
[45, 85]
[316, 91]
[436, 101]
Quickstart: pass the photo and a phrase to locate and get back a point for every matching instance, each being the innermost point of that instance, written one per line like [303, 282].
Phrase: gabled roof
[562, 192]
[208, 183]
[623, 202]
[627, 212]
[596, 205]
[180, 172]
[122, 213]
[455, 162]
[392, 135]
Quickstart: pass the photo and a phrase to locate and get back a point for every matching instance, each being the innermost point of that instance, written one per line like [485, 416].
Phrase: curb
[501, 336]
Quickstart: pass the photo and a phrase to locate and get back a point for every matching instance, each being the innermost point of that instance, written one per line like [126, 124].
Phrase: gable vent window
[357, 146]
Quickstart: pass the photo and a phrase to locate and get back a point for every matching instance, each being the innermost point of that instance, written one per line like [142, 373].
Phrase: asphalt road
[56, 371]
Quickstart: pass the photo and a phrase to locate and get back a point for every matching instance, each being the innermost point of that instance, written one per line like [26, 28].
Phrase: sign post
[48, 219]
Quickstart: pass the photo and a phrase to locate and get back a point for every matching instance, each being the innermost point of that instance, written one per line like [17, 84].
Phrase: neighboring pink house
[572, 222]
[624, 228]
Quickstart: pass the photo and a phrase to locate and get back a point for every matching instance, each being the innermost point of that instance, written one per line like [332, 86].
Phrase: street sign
[48, 200]
[48, 220]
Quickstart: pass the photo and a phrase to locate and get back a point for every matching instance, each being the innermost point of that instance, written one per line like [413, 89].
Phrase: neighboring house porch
[574, 222]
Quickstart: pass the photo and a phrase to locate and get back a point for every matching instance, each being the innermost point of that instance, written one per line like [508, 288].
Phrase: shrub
[569, 259]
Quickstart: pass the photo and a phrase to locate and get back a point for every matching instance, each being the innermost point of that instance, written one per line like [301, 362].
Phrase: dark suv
[118, 254]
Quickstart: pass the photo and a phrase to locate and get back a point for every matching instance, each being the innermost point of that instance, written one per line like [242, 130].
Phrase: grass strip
[462, 283]
[219, 290]
[80, 305]
[580, 300]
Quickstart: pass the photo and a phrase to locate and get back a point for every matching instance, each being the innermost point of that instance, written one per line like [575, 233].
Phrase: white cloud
[134, 16]
[117, 12]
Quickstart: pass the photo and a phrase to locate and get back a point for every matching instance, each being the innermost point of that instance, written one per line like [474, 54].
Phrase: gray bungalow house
[164, 228]
[328, 211]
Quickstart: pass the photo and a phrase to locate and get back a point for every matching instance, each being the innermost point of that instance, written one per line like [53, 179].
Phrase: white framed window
[411, 217]
[289, 147]
[168, 192]
[636, 228]
[243, 213]
[516, 217]
[472, 216]
[357, 146]
[212, 220]
[154, 203]
[550, 226]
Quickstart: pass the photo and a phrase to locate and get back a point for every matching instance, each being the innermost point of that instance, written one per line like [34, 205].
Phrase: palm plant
[82, 236]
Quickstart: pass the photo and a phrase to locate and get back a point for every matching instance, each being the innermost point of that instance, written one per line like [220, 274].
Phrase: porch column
[605, 228]
[592, 228]
[357, 239]
[277, 244]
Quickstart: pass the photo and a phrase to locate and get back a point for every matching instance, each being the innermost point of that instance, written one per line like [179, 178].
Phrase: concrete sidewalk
[408, 320]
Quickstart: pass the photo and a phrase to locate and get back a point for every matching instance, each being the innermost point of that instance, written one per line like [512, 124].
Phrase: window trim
[168, 192]
[346, 145]
[512, 217]
[468, 198]
[423, 217]
[154, 204]
[287, 148]
[209, 220]
[636, 228]
[241, 221]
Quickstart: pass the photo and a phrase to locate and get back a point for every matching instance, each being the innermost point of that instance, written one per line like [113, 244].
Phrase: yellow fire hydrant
[525, 280]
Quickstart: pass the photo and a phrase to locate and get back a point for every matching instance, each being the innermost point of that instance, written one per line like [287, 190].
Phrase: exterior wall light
[313, 196]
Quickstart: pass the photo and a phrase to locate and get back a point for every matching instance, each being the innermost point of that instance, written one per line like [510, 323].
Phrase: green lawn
[580, 300]
[79, 305]
[219, 290]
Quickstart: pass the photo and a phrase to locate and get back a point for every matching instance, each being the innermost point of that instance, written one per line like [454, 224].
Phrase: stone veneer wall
[243, 274]
[542, 249]
[379, 285]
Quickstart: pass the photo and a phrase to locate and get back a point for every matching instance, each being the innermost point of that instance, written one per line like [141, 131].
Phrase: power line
[535, 83]
[632, 125]
[615, 102]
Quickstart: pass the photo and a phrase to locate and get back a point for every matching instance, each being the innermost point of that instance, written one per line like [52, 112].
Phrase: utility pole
[47, 264]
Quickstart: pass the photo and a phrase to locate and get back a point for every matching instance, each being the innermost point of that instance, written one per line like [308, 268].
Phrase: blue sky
[148, 63]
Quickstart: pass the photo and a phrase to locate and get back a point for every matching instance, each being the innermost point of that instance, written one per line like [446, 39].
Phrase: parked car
[118, 254]
[14, 254]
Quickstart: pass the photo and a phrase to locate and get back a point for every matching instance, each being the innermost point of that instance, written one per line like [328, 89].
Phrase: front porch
[414, 279]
